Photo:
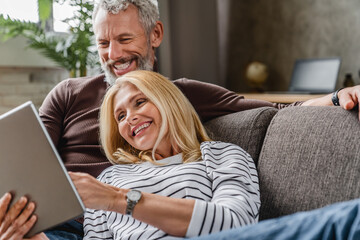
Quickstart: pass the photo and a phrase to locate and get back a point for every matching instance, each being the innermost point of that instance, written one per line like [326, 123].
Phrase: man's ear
[157, 34]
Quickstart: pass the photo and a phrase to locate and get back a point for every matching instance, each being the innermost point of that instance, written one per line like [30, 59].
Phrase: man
[127, 34]
[126, 40]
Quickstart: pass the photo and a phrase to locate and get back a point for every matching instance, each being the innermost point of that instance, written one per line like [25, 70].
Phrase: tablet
[31, 166]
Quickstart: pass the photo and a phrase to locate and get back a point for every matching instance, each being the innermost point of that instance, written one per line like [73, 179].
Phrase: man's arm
[211, 101]
[52, 112]
[348, 99]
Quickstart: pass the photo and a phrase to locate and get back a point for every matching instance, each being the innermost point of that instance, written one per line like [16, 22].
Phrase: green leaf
[10, 28]
[44, 7]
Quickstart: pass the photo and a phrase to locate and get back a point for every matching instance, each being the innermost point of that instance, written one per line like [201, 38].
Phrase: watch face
[134, 195]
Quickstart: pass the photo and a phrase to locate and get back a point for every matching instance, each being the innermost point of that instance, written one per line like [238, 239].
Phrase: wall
[278, 32]
[15, 52]
[214, 40]
[25, 75]
[192, 38]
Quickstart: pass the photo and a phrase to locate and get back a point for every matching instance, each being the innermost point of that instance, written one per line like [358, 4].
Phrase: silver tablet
[31, 166]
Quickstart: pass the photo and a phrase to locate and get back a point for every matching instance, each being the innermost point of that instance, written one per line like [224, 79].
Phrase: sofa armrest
[247, 128]
[310, 158]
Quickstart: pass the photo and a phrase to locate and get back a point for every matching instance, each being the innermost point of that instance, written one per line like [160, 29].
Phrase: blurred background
[208, 40]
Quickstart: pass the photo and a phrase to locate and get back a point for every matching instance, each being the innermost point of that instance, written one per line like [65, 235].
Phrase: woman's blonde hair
[179, 120]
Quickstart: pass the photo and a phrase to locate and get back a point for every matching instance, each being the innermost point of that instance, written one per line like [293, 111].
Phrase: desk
[280, 98]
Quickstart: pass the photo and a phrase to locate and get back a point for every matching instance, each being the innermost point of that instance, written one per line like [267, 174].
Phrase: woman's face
[139, 120]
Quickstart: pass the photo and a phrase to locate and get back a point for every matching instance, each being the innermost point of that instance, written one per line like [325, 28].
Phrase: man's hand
[348, 99]
[18, 220]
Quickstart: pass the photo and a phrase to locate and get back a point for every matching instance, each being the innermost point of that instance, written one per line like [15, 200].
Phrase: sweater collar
[176, 159]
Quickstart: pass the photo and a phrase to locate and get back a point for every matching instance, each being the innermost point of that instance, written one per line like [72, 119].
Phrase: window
[27, 10]
[20, 9]
[60, 13]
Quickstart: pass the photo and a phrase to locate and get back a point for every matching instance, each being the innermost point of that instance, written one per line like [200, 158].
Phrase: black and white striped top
[224, 185]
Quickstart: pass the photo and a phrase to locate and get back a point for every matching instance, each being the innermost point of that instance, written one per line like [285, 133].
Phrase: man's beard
[143, 63]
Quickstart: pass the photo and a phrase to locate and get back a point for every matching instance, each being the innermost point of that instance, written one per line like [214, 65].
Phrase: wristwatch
[335, 98]
[132, 198]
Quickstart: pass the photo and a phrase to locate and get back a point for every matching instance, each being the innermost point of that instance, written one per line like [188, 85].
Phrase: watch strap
[130, 207]
[335, 98]
[131, 201]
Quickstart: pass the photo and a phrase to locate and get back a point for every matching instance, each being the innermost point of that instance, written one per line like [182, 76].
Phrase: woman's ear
[157, 34]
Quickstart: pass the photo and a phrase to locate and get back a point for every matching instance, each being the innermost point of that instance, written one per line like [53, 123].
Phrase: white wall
[15, 52]
[25, 74]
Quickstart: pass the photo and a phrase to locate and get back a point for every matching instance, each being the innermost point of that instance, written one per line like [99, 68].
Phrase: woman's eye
[140, 101]
[121, 116]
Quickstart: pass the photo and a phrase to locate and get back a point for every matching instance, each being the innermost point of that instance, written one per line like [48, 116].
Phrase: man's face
[122, 43]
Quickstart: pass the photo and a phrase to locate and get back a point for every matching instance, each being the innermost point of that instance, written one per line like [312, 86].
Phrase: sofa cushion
[247, 128]
[310, 158]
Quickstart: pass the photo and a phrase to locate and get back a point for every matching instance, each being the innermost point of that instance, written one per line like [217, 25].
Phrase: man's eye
[125, 40]
[103, 44]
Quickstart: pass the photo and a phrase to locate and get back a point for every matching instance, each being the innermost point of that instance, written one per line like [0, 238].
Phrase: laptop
[31, 166]
[314, 76]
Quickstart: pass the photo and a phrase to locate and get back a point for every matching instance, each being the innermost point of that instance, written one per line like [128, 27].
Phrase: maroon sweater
[70, 114]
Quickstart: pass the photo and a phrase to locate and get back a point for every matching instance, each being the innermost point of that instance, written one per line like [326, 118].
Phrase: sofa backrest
[310, 158]
[247, 129]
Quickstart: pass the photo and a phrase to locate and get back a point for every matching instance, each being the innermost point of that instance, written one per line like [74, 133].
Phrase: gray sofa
[307, 157]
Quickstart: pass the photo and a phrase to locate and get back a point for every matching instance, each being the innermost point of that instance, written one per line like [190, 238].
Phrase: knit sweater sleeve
[236, 195]
[53, 109]
[211, 101]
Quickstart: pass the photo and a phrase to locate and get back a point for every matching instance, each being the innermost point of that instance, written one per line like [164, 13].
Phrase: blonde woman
[169, 179]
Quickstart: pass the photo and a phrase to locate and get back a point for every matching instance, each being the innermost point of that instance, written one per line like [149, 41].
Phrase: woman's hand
[171, 215]
[18, 220]
[98, 195]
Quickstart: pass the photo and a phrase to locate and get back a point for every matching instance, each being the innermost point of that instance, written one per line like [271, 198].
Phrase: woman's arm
[171, 215]
[235, 190]
[229, 173]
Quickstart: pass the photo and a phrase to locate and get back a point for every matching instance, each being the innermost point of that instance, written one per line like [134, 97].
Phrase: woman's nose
[132, 118]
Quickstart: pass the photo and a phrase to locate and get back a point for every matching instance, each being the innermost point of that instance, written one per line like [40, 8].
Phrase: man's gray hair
[148, 10]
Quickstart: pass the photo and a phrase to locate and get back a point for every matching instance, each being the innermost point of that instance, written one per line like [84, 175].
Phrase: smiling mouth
[123, 64]
[141, 127]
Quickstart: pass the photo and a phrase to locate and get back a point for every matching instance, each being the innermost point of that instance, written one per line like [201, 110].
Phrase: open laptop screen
[315, 75]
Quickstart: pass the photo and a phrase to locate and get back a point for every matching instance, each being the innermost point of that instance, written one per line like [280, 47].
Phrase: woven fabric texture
[310, 158]
[247, 129]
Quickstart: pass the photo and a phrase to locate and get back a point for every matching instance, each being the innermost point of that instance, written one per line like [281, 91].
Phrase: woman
[182, 183]
[169, 180]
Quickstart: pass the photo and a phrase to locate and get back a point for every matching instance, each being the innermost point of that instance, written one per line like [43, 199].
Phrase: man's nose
[115, 51]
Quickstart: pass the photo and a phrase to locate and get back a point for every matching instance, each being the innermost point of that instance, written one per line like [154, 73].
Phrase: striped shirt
[224, 185]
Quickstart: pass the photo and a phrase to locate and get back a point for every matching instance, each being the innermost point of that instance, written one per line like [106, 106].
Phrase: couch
[307, 157]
